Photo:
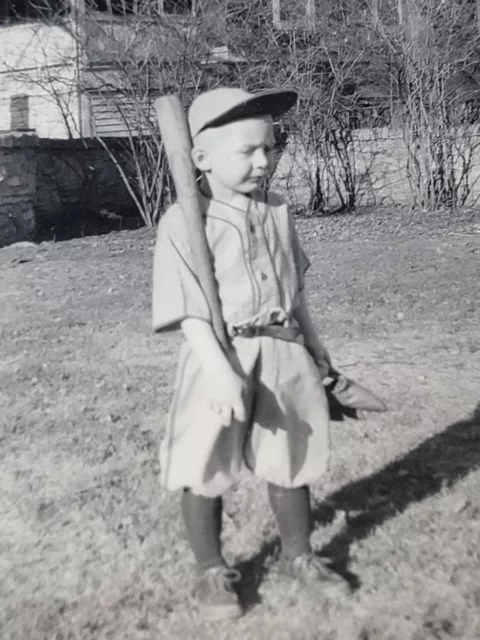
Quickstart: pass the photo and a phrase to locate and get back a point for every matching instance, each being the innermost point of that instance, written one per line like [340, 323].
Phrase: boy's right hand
[227, 397]
[225, 387]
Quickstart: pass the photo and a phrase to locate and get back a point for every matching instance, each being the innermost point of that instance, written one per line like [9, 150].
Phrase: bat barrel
[177, 144]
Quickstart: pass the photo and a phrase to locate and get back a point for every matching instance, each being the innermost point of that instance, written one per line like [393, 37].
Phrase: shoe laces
[232, 576]
[311, 563]
[224, 578]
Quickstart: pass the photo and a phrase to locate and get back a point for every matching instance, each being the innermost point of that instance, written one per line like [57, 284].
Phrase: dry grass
[92, 548]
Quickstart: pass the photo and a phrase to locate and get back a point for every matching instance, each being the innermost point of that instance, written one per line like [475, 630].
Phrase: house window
[19, 113]
[21, 10]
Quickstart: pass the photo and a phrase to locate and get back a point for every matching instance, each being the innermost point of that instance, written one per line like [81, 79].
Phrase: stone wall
[379, 160]
[48, 183]
[17, 187]
[44, 183]
[77, 179]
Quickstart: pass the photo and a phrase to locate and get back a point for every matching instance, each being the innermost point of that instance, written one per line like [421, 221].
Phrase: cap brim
[266, 103]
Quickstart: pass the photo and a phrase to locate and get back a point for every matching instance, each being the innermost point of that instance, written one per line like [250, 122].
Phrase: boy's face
[237, 156]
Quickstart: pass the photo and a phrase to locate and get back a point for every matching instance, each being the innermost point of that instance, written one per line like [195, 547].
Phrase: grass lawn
[92, 548]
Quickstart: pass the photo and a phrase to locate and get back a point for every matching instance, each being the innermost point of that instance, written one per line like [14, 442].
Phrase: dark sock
[203, 522]
[291, 508]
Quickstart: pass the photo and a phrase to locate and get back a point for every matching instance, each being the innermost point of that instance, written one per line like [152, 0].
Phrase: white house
[60, 70]
[38, 78]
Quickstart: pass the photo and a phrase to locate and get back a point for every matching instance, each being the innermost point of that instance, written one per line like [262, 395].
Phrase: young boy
[263, 403]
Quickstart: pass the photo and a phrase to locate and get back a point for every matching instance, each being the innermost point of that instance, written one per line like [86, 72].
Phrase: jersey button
[263, 276]
[252, 228]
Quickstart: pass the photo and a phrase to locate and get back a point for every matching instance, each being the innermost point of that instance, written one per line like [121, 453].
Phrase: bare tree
[328, 67]
[435, 51]
[423, 57]
[420, 56]
[118, 61]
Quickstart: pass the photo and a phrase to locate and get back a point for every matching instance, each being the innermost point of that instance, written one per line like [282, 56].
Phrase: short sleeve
[177, 293]
[302, 263]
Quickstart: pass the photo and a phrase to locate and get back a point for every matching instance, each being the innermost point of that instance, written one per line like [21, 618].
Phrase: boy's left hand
[350, 398]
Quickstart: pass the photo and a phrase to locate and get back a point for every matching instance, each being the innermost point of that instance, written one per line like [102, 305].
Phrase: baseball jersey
[259, 266]
[258, 262]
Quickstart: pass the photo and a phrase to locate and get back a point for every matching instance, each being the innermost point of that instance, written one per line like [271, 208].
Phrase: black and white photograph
[239, 319]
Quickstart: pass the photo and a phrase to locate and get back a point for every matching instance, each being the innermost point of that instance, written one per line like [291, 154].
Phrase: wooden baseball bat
[177, 143]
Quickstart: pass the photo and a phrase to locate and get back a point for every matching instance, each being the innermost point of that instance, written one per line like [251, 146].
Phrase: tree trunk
[276, 14]
[78, 7]
[375, 7]
[310, 14]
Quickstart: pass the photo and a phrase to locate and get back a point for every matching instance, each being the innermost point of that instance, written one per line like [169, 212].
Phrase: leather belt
[290, 334]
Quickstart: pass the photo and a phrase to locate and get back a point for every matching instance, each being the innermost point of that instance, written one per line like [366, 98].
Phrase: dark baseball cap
[224, 105]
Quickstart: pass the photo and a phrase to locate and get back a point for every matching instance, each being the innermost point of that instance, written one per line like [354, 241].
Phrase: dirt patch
[91, 547]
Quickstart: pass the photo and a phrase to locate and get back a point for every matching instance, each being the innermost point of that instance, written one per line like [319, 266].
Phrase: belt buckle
[248, 331]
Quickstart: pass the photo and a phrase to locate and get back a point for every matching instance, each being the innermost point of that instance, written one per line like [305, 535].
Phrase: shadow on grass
[437, 463]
